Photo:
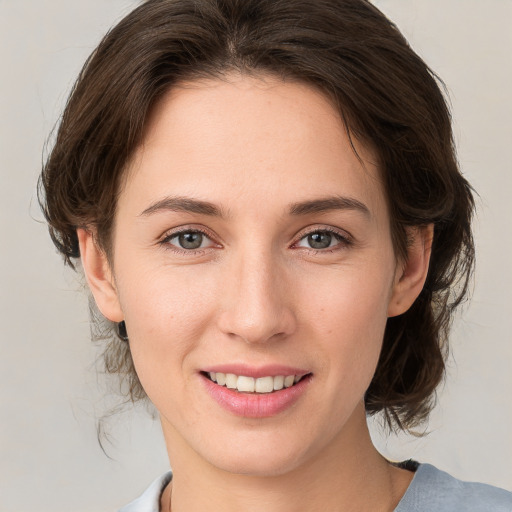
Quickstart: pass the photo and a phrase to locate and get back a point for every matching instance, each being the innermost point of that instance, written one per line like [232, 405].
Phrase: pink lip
[256, 371]
[254, 405]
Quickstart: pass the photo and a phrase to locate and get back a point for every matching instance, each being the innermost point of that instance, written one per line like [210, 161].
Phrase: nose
[256, 305]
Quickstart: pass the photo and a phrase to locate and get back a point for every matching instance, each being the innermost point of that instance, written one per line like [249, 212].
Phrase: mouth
[251, 385]
[253, 392]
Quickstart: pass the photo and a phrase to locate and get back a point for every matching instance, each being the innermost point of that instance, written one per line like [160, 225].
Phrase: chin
[258, 466]
[258, 458]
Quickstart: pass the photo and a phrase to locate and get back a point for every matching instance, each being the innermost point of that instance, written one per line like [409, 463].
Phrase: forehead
[254, 137]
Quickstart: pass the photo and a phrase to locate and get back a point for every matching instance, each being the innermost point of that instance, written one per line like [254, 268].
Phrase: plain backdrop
[51, 396]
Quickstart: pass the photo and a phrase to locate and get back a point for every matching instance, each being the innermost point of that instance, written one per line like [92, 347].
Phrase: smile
[259, 395]
[245, 384]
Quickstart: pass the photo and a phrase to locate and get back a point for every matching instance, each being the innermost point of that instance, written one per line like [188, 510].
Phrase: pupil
[320, 240]
[191, 240]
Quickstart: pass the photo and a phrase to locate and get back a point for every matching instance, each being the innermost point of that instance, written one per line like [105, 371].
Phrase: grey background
[51, 396]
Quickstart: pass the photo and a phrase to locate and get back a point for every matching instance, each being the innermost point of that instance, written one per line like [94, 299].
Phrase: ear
[412, 273]
[99, 276]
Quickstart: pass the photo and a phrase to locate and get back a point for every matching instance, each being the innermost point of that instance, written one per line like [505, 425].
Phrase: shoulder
[432, 489]
[149, 501]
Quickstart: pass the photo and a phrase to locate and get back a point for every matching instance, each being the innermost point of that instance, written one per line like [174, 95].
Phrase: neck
[349, 475]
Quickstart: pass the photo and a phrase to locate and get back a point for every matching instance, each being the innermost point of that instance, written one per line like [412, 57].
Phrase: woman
[266, 203]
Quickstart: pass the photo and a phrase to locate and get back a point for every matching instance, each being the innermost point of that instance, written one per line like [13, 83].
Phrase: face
[252, 245]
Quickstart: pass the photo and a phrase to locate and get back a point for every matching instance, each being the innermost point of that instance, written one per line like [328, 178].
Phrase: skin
[256, 293]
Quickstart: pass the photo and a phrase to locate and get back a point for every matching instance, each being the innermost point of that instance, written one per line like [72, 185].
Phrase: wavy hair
[385, 94]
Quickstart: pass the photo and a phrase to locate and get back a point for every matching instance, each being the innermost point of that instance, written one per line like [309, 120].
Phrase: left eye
[320, 240]
[189, 240]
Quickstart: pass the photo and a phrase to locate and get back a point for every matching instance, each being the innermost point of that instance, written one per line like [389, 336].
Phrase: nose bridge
[255, 305]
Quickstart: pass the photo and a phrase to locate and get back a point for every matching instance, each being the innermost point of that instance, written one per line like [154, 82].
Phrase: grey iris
[320, 240]
[190, 240]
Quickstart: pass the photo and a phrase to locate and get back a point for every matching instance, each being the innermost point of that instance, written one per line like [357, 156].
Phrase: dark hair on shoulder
[385, 94]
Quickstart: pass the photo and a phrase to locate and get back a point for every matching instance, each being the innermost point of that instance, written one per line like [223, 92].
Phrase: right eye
[188, 240]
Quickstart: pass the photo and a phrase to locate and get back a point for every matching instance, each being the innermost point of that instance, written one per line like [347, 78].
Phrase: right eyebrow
[184, 204]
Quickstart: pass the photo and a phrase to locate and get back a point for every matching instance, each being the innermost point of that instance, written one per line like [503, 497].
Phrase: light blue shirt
[431, 490]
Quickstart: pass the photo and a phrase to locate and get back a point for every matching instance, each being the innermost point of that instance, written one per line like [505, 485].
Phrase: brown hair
[385, 94]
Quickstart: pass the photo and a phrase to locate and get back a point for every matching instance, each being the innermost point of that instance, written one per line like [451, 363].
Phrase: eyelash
[196, 252]
[344, 241]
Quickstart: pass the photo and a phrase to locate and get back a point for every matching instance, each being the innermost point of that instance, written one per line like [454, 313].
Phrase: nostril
[255, 317]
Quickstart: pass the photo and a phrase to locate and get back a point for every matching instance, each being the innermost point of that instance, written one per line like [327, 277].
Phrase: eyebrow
[328, 204]
[184, 204]
[190, 205]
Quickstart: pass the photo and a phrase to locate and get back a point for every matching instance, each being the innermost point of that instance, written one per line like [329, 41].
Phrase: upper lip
[271, 370]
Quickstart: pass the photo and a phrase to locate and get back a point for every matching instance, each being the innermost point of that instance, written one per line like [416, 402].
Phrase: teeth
[245, 384]
[264, 385]
[278, 383]
[231, 380]
[288, 381]
[250, 385]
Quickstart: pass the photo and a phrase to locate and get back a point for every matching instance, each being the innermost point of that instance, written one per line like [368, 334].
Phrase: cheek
[163, 300]
[351, 302]
[166, 316]
[348, 314]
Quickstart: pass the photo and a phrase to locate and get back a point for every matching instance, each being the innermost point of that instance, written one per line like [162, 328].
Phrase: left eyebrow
[328, 204]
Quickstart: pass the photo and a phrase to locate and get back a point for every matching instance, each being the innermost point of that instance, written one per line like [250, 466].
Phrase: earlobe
[411, 274]
[99, 276]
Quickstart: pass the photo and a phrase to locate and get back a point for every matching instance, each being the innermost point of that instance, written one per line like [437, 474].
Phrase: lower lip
[254, 405]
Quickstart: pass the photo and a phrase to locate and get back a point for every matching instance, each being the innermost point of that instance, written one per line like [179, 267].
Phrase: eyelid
[345, 238]
[172, 233]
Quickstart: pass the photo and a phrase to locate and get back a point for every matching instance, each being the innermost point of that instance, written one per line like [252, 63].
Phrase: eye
[189, 240]
[323, 239]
